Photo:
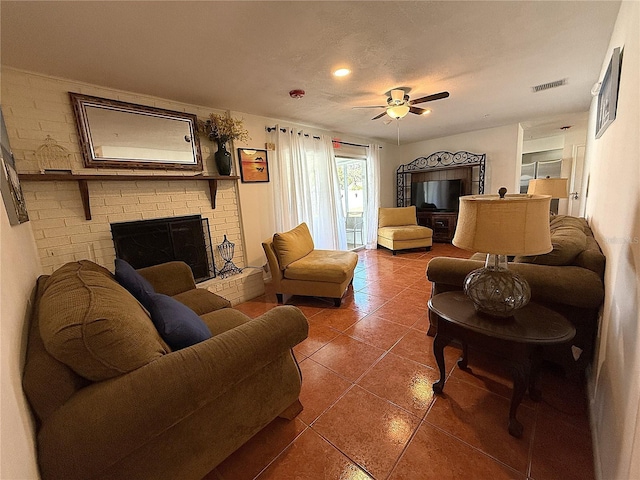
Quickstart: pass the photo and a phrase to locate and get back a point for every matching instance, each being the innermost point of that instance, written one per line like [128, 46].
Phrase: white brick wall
[237, 288]
[35, 106]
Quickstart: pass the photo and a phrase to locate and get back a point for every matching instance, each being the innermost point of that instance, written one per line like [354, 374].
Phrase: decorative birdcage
[226, 250]
[53, 157]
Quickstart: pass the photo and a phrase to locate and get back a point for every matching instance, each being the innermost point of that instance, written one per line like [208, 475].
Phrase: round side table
[517, 340]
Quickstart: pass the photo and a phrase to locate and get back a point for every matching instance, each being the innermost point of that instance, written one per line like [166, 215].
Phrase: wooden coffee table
[517, 340]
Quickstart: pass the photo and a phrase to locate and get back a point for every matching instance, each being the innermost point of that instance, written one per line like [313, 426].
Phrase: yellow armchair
[398, 229]
[297, 268]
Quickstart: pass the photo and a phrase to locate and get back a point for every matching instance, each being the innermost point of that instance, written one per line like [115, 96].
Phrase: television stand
[443, 224]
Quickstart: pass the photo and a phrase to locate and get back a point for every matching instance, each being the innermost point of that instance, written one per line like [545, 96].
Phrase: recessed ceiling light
[342, 72]
[426, 112]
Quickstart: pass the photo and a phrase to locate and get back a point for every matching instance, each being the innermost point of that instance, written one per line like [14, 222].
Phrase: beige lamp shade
[514, 225]
[555, 187]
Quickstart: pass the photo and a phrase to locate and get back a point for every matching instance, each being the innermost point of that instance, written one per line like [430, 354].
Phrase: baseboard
[591, 391]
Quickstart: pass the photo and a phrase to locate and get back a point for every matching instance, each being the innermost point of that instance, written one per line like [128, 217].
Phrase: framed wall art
[254, 165]
[9, 183]
[608, 94]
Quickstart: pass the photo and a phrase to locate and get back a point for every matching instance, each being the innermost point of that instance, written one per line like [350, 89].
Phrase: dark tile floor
[369, 410]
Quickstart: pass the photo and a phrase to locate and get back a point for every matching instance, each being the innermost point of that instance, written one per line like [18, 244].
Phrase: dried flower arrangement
[221, 129]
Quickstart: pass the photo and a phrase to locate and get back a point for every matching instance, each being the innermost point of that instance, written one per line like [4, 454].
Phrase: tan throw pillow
[293, 245]
[567, 242]
[395, 217]
[92, 324]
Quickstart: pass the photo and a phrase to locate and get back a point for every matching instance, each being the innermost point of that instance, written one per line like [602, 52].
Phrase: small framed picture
[254, 165]
[9, 182]
[608, 95]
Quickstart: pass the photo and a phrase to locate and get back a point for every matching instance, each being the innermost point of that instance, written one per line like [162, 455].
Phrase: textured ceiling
[246, 56]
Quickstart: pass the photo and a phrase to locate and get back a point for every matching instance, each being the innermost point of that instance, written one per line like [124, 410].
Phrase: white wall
[501, 144]
[256, 199]
[390, 159]
[555, 142]
[613, 209]
[18, 273]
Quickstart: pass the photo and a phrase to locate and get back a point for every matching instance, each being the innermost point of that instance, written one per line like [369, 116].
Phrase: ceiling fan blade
[419, 111]
[372, 106]
[430, 98]
[379, 116]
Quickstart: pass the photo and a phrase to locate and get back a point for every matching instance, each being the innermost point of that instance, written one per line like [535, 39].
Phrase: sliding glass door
[352, 176]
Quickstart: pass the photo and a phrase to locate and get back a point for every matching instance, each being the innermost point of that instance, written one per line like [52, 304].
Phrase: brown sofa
[140, 410]
[297, 268]
[568, 280]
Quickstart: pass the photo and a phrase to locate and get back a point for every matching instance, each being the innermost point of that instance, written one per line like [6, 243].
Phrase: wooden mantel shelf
[84, 187]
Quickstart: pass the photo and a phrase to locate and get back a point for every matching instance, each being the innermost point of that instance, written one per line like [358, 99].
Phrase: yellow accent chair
[398, 229]
[297, 268]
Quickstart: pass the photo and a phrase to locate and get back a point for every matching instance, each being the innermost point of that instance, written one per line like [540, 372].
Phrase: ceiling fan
[398, 103]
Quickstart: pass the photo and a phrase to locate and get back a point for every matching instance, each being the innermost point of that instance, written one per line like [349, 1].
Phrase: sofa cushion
[177, 324]
[557, 221]
[293, 245]
[136, 284]
[92, 324]
[392, 217]
[333, 266]
[568, 242]
[224, 319]
[202, 301]
[407, 232]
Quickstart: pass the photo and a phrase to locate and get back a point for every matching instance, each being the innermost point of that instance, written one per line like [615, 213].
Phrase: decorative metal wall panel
[436, 161]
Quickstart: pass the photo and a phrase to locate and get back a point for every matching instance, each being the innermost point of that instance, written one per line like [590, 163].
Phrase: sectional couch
[568, 280]
[111, 398]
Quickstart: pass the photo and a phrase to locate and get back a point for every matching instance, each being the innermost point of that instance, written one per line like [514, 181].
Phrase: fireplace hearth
[150, 242]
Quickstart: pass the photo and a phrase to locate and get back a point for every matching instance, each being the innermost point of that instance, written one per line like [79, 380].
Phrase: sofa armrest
[103, 423]
[274, 265]
[169, 278]
[568, 285]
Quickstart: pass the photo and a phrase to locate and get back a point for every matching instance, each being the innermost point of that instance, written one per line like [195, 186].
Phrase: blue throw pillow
[176, 323]
[136, 284]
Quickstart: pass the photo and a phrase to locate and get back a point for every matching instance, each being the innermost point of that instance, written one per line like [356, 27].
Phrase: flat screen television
[436, 195]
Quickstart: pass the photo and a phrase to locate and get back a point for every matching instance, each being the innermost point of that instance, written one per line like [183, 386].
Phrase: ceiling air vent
[547, 86]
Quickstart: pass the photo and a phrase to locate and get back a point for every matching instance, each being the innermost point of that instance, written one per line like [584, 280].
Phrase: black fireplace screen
[151, 242]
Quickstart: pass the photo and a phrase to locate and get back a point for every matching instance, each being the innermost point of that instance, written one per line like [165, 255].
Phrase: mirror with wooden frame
[117, 134]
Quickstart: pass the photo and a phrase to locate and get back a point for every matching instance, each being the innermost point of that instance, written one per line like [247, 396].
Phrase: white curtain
[373, 200]
[306, 187]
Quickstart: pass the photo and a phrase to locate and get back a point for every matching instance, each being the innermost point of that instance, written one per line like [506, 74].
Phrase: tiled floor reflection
[370, 411]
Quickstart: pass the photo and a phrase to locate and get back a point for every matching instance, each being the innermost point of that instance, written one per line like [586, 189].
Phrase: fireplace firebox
[150, 242]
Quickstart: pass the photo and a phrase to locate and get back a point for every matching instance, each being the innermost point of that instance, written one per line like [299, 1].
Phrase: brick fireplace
[35, 106]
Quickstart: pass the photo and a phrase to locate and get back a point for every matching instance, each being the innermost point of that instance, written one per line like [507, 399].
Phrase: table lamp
[501, 225]
[554, 187]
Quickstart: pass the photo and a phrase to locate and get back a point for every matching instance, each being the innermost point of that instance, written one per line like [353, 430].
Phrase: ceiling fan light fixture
[341, 72]
[398, 111]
